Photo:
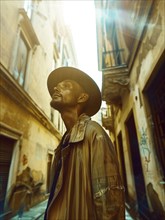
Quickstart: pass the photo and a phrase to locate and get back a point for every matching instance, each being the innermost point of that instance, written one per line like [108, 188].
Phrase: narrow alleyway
[37, 213]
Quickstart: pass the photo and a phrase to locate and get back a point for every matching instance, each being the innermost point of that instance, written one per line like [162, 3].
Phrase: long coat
[88, 186]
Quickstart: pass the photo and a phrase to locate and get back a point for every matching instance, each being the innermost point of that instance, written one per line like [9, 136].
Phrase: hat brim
[89, 85]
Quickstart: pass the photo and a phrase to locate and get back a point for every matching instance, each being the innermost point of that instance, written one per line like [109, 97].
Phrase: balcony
[113, 58]
[120, 26]
[115, 76]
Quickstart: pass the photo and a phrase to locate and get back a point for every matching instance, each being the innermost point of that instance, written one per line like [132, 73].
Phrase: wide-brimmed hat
[88, 84]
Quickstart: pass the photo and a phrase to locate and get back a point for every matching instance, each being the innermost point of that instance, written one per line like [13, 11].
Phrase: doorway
[6, 152]
[156, 98]
[142, 203]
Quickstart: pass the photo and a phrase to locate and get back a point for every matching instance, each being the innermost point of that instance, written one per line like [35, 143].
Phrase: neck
[69, 118]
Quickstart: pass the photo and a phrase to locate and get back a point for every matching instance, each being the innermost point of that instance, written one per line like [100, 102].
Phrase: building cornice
[13, 90]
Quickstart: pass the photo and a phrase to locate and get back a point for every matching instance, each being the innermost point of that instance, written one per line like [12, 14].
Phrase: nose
[55, 89]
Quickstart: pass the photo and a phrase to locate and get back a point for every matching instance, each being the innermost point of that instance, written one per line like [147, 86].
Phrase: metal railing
[113, 58]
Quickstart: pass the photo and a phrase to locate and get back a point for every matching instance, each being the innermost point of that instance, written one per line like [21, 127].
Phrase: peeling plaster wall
[35, 142]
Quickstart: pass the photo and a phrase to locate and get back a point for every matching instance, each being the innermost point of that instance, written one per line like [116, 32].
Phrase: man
[86, 180]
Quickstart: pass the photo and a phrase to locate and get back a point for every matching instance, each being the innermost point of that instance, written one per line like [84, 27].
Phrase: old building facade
[131, 55]
[34, 41]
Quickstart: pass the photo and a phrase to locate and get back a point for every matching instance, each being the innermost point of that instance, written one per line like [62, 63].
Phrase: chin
[54, 105]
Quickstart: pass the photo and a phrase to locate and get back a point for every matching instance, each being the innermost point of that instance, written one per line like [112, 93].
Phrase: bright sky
[80, 17]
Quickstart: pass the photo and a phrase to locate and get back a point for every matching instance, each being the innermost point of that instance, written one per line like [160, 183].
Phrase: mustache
[55, 94]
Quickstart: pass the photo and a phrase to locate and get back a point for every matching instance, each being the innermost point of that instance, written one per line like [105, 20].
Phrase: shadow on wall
[158, 212]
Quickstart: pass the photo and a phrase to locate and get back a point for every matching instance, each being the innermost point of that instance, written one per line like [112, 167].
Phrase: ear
[83, 97]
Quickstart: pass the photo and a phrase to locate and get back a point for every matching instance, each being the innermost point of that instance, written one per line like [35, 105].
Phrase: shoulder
[94, 127]
[97, 136]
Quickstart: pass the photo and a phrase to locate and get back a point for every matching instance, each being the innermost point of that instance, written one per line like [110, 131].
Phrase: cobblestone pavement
[37, 213]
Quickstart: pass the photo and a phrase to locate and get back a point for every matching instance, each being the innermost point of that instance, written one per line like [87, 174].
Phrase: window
[25, 43]
[54, 64]
[58, 43]
[52, 115]
[59, 122]
[113, 55]
[55, 57]
[65, 57]
[21, 60]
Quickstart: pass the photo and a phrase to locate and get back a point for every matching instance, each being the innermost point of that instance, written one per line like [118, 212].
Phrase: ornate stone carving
[108, 123]
[114, 85]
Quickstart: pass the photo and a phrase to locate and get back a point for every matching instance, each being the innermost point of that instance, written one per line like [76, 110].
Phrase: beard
[60, 106]
[56, 105]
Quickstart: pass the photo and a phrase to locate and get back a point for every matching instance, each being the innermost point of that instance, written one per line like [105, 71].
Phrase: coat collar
[78, 130]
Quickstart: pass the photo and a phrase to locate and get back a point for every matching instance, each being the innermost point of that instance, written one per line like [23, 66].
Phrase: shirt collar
[78, 130]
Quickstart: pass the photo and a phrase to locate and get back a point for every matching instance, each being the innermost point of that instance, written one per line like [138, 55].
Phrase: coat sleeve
[108, 191]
